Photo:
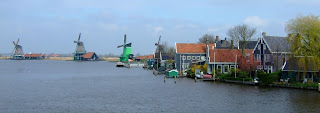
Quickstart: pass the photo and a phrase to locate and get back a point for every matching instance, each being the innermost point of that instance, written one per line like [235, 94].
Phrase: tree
[246, 63]
[241, 33]
[204, 38]
[304, 37]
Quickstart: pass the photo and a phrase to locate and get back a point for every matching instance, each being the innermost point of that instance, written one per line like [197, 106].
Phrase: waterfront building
[33, 56]
[90, 56]
[271, 52]
[294, 72]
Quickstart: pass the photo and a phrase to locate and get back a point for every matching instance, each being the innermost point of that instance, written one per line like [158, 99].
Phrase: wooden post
[175, 79]
[164, 78]
[195, 79]
[319, 87]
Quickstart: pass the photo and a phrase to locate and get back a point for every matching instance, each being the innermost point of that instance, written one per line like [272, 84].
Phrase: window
[255, 57]
[185, 66]
[231, 66]
[203, 58]
[183, 57]
[219, 68]
[226, 68]
[212, 47]
[266, 58]
[193, 57]
[264, 47]
[188, 57]
[198, 57]
[259, 47]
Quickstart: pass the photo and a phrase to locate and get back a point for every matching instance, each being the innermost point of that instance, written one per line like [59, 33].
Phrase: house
[224, 44]
[248, 45]
[33, 56]
[90, 56]
[150, 60]
[187, 53]
[225, 59]
[160, 59]
[141, 58]
[271, 52]
[295, 73]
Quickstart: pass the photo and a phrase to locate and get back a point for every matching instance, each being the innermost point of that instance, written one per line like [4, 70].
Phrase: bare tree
[138, 54]
[241, 33]
[171, 51]
[204, 38]
[165, 48]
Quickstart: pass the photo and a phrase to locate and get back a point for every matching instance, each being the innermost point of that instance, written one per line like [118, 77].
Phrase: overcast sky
[51, 26]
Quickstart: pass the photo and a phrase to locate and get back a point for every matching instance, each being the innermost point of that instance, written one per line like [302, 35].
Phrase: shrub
[268, 78]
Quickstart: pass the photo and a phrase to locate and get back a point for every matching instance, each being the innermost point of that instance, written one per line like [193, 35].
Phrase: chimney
[217, 38]
[207, 51]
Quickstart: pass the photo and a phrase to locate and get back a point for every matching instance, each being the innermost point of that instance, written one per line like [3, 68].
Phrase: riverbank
[305, 86]
[4, 58]
[110, 59]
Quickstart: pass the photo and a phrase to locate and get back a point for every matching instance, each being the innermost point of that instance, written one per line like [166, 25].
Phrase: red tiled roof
[32, 55]
[228, 55]
[142, 57]
[192, 47]
[150, 56]
[87, 55]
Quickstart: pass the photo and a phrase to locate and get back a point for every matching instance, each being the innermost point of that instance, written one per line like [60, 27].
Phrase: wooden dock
[241, 82]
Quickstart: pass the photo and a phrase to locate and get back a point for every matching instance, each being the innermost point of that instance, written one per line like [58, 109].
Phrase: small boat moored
[171, 73]
[120, 64]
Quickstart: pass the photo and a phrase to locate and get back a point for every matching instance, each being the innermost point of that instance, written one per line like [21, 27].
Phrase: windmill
[127, 52]
[79, 49]
[18, 53]
[158, 50]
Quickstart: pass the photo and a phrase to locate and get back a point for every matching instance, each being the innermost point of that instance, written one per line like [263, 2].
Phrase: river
[44, 86]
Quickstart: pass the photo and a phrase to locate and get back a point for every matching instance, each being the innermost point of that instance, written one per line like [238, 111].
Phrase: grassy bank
[58, 58]
[4, 58]
[110, 59]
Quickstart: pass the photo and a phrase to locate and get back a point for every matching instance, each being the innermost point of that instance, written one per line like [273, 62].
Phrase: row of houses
[268, 53]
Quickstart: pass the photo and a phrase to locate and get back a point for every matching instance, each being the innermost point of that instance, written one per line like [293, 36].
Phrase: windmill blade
[159, 40]
[13, 50]
[17, 42]
[13, 43]
[75, 41]
[120, 46]
[79, 36]
[125, 38]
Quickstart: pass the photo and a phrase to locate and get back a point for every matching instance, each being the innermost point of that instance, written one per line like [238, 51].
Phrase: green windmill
[127, 52]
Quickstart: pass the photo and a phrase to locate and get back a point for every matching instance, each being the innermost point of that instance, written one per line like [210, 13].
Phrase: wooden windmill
[18, 53]
[80, 50]
[127, 52]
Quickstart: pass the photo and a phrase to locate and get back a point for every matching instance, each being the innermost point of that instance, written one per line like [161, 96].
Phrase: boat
[198, 73]
[120, 64]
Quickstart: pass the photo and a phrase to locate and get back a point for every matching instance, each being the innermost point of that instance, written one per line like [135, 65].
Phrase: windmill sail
[80, 47]
[18, 53]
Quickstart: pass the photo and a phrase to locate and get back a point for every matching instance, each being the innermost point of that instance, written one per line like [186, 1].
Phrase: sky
[51, 26]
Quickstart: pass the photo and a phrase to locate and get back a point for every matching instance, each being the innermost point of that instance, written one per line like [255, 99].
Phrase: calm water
[67, 86]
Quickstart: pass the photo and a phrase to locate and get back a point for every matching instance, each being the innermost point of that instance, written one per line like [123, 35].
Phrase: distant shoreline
[110, 59]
